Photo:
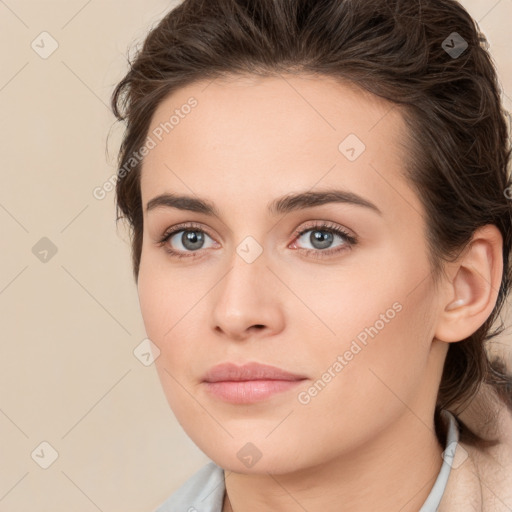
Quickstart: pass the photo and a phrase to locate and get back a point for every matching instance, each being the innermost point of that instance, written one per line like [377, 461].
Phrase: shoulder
[202, 492]
[494, 467]
[481, 481]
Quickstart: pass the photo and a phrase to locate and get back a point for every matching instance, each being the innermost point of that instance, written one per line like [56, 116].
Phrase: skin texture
[368, 436]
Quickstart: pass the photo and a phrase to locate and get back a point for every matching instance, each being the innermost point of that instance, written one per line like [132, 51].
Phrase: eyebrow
[285, 204]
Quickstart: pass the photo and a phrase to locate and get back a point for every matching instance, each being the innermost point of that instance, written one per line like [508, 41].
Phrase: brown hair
[412, 53]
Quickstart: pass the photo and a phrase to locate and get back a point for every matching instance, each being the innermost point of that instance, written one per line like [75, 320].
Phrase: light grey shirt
[204, 491]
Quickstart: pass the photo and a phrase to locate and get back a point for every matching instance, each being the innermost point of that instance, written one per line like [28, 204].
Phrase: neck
[395, 470]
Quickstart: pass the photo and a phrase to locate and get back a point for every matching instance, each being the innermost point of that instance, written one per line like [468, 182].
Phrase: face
[336, 290]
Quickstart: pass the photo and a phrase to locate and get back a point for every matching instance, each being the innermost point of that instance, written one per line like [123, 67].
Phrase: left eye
[322, 238]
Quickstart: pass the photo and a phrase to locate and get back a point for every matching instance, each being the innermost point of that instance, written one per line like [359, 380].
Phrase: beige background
[68, 373]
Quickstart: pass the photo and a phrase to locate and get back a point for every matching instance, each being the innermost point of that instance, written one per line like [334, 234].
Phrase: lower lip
[249, 391]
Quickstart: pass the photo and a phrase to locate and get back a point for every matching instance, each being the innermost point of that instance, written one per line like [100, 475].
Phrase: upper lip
[249, 371]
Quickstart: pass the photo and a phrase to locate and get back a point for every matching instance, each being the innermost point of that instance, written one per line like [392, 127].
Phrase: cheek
[370, 372]
[167, 312]
[381, 323]
[162, 304]
[153, 308]
[165, 295]
[172, 307]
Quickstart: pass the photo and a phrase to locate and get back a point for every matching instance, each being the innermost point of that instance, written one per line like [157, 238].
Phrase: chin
[254, 458]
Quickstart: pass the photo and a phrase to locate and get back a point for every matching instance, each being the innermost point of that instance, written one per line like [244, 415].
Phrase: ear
[472, 287]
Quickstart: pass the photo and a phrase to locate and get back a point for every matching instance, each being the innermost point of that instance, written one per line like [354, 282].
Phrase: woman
[321, 232]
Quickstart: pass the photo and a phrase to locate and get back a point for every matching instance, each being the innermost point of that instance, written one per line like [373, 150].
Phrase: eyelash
[350, 240]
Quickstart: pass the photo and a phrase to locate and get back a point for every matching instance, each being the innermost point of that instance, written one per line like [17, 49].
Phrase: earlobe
[472, 293]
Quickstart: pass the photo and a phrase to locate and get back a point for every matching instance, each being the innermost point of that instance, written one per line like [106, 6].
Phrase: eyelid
[183, 226]
[297, 233]
[322, 225]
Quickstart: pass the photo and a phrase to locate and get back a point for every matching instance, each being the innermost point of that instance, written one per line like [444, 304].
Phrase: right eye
[182, 239]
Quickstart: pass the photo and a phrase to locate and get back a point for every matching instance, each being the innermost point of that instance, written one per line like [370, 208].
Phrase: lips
[250, 371]
[252, 382]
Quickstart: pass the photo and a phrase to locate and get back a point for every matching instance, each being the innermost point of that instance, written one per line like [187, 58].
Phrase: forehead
[272, 135]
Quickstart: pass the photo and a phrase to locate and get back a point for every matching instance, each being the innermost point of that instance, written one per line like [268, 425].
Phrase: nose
[248, 301]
